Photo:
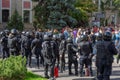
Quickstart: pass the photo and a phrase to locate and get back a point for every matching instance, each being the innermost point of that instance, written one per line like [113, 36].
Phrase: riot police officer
[49, 53]
[62, 49]
[13, 43]
[99, 37]
[55, 39]
[41, 56]
[7, 32]
[4, 45]
[23, 37]
[72, 57]
[104, 51]
[26, 47]
[85, 51]
[36, 47]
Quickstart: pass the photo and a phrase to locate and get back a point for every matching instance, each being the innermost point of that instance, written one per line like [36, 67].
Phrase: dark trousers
[14, 52]
[28, 56]
[46, 66]
[5, 53]
[58, 60]
[62, 63]
[38, 59]
[75, 66]
[104, 70]
[41, 60]
[37, 53]
[87, 64]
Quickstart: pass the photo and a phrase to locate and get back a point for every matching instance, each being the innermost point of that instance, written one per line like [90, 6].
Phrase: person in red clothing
[95, 29]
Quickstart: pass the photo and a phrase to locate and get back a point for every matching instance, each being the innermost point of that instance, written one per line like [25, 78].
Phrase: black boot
[46, 76]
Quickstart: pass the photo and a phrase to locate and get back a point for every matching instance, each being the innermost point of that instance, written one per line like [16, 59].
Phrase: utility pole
[99, 5]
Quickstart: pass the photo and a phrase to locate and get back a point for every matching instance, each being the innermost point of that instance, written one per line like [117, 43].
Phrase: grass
[31, 76]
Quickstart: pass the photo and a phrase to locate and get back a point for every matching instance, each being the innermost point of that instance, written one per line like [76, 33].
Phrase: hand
[60, 56]
[90, 56]
[78, 55]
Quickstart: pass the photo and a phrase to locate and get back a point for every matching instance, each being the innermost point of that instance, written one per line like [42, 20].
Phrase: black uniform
[56, 41]
[72, 57]
[104, 56]
[4, 45]
[41, 56]
[26, 47]
[49, 53]
[85, 50]
[62, 49]
[36, 47]
[23, 36]
[13, 43]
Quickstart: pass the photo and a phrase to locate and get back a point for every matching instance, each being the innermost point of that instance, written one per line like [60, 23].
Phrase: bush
[13, 68]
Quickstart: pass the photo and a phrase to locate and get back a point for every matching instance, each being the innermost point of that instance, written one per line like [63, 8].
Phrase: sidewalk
[64, 76]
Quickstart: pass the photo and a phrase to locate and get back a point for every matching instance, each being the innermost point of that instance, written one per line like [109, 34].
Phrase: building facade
[24, 8]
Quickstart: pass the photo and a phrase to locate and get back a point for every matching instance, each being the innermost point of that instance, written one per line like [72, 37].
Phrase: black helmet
[69, 40]
[50, 34]
[7, 32]
[14, 31]
[2, 33]
[27, 34]
[83, 38]
[54, 37]
[61, 36]
[107, 36]
[37, 35]
[46, 37]
[99, 37]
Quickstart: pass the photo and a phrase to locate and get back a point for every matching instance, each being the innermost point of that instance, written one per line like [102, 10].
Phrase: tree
[84, 7]
[116, 4]
[15, 22]
[54, 13]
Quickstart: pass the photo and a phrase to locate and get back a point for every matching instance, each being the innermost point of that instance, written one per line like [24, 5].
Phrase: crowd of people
[50, 47]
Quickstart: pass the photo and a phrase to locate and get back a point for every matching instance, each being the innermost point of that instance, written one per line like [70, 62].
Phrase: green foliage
[86, 5]
[31, 76]
[81, 17]
[15, 22]
[83, 8]
[116, 4]
[54, 13]
[13, 68]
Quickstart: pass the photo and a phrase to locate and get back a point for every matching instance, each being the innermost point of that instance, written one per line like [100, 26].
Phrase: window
[26, 16]
[5, 15]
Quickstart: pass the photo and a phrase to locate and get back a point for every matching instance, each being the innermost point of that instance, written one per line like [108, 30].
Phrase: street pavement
[64, 76]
